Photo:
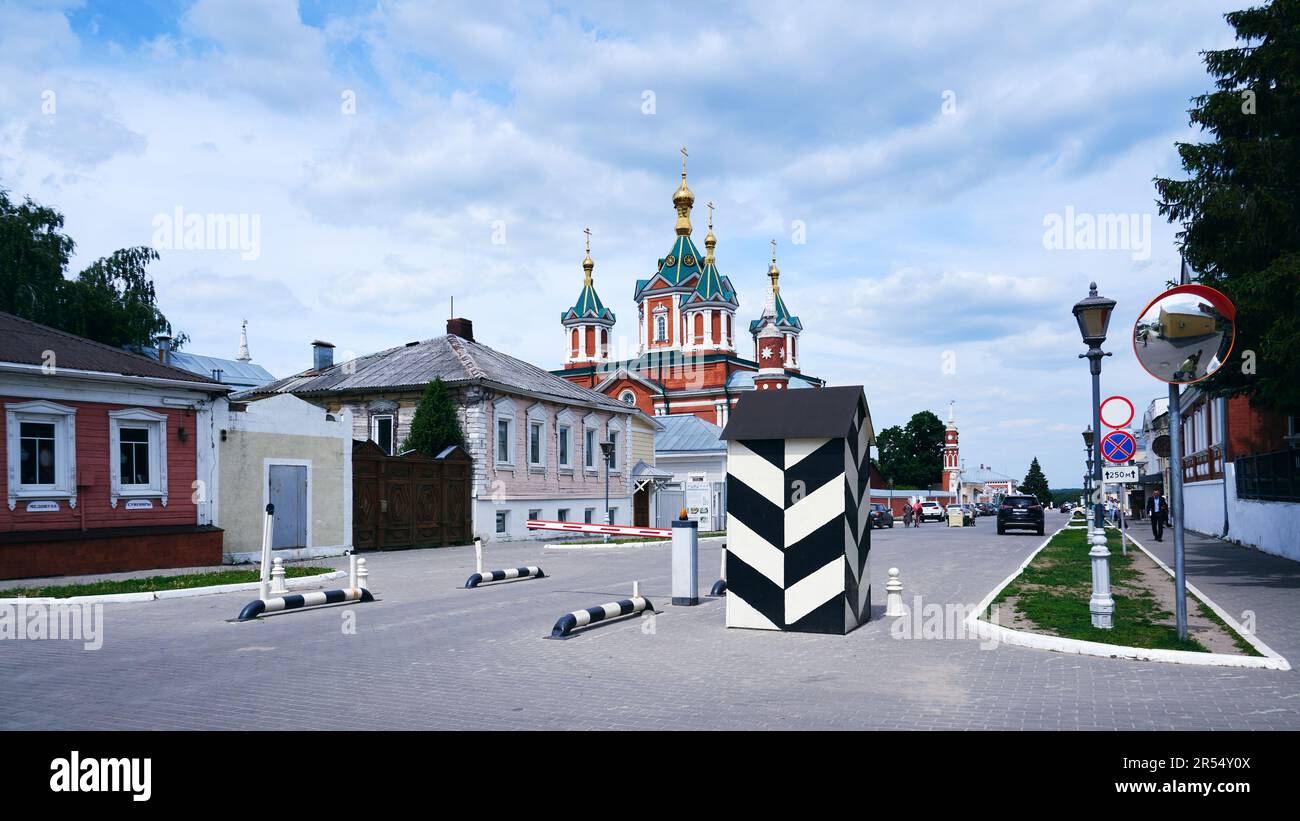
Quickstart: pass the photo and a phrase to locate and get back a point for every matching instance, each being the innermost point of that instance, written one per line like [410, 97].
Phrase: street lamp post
[1093, 315]
[607, 451]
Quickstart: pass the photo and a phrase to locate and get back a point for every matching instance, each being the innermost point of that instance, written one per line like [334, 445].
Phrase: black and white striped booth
[798, 505]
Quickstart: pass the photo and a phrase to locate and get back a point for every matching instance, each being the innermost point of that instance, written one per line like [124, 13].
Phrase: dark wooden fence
[411, 500]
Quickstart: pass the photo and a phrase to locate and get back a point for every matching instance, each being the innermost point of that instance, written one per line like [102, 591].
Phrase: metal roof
[688, 433]
[242, 375]
[744, 380]
[450, 358]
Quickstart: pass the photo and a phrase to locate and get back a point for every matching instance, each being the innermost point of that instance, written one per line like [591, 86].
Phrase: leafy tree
[435, 426]
[1035, 483]
[912, 455]
[111, 301]
[1240, 208]
[33, 255]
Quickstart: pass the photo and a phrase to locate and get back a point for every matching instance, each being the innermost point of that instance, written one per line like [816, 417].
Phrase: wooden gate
[411, 500]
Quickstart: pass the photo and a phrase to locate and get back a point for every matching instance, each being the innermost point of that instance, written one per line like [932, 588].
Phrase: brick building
[687, 356]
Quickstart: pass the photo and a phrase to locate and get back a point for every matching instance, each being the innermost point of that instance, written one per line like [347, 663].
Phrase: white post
[478, 554]
[722, 571]
[352, 569]
[363, 575]
[894, 595]
[1101, 605]
[277, 577]
[636, 589]
[267, 525]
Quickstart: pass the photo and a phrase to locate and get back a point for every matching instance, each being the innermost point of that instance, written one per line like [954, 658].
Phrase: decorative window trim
[564, 456]
[503, 410]
[591, 422]
[614, 426]
[536, 415]
[626, 394]
[156, 423]
[64, 419]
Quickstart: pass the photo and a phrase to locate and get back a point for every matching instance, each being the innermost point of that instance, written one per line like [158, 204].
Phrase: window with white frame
[537, 437]
[504, 432]
[137, 454]
[562, 515]
[661, 328]
[382, 429]
[534, 513]
[503, 521]
[589, 515]
[42, 451]
[564, 441]
[627, 398]
[616, 452]
[591, 444]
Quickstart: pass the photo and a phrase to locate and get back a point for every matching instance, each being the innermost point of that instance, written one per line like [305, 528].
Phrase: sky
[929, 172]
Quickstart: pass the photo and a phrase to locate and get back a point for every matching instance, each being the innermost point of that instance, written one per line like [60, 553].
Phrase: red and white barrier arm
[613, 530]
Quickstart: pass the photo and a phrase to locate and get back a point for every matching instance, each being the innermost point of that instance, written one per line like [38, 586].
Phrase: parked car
[931, 511]
[881, 516]
[987, 509]
[1020, 512]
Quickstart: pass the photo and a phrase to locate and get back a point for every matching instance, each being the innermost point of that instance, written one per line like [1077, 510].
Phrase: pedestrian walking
[907, 514]
[1158, 512]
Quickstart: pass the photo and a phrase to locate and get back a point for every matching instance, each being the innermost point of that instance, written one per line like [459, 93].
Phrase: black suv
[1020, 511]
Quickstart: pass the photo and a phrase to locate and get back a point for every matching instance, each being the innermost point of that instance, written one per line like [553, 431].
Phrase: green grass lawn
[1053, 592]
[153, 584]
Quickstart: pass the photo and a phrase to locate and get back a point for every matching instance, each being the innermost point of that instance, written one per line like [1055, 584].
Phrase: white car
[931, 510]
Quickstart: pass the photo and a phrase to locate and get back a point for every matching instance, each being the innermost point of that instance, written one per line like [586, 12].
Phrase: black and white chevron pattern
[798, 532]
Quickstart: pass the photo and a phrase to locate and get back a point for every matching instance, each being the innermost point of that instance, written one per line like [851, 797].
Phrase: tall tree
[1240, 208]
[111, 301]
[912, 455]
[34, 253]
[1035, 483]
[435, 426]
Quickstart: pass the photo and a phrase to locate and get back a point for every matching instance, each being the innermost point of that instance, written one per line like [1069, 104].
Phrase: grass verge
[1054, 589]
[153, 584]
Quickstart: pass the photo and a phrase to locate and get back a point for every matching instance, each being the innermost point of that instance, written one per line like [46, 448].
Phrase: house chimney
[164, 348]
[322, 355]
[463, 328]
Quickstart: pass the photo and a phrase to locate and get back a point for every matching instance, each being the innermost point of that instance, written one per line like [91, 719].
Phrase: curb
[1039, 641]
[184, 593]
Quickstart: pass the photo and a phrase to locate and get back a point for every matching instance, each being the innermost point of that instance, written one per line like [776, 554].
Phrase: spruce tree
[435, 426]
[1035, 483]
[1240, 207]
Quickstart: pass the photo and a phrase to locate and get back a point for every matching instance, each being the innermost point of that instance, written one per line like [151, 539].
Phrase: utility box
[956, 516]
[798, 510]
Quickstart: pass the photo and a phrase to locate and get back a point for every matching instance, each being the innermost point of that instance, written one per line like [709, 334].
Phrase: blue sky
[923, 152]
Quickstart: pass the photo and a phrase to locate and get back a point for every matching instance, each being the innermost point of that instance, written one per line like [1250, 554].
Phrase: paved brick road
[430, 655]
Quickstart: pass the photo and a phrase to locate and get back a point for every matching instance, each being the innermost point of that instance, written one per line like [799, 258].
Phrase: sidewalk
[1242, 581]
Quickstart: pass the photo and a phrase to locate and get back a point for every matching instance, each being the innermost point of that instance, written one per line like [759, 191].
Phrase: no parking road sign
[1118, 446]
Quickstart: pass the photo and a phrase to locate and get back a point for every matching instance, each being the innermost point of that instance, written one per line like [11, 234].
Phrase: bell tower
[588, 323]
[951, 462]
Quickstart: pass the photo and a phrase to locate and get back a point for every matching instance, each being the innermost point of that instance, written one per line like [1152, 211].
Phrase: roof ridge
[466, 360]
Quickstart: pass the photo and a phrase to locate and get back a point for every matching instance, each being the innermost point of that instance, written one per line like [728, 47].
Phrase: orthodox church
[686, 361]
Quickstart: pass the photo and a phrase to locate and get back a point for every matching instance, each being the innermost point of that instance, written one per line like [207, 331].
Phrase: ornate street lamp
[1093, 315]
[607, 451]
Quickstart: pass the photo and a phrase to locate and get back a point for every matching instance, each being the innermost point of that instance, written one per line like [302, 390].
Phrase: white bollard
[278, 587]
[722, 571]
[268, 524]
[352, 569]
[478, 554]
[636, 589]
[1101, 605]
[363, 575]
[894, 595]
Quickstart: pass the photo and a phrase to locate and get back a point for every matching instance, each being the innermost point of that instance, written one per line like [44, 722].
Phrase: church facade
[688, 359]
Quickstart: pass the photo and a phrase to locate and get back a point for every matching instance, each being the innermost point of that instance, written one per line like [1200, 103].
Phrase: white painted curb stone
[213, 589]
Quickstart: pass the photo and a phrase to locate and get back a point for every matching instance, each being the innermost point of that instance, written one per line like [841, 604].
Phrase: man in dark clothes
[1158, 511]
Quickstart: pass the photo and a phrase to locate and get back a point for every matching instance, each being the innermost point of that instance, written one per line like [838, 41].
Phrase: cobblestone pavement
[431, 655]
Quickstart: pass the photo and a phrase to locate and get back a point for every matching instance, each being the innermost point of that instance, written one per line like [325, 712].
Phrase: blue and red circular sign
[1118, 446]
